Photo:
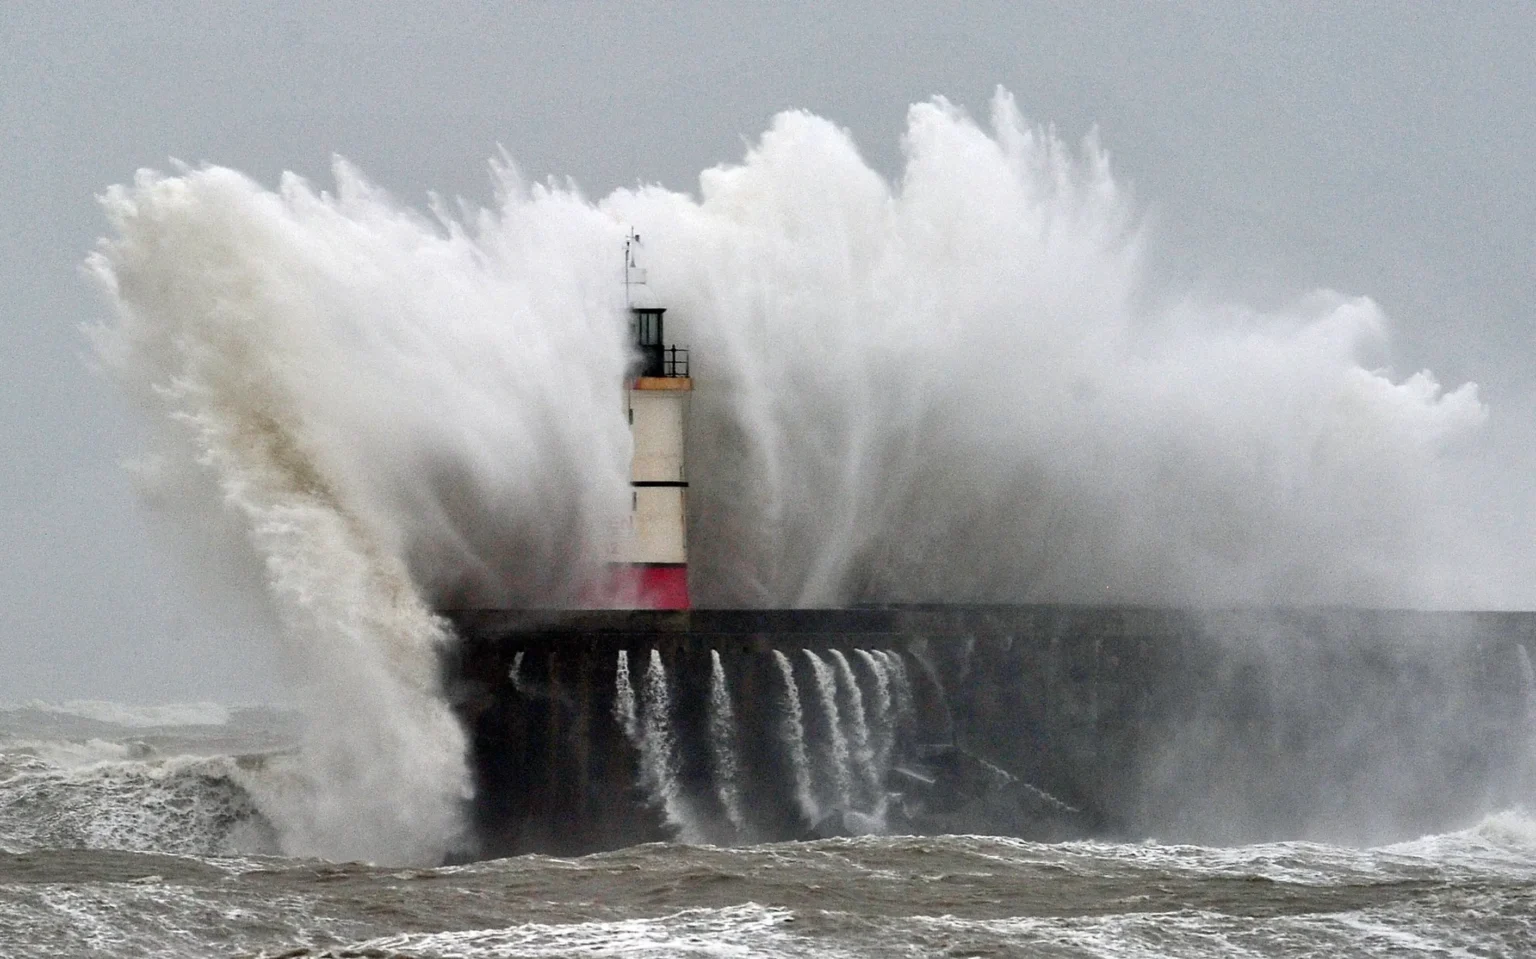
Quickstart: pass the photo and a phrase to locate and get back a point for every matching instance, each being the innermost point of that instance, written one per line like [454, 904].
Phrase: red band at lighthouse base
[642, 586]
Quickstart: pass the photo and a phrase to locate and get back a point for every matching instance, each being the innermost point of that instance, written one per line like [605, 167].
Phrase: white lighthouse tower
[650, 567]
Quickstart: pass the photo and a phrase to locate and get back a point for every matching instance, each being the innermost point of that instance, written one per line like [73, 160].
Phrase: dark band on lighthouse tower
[653, 555]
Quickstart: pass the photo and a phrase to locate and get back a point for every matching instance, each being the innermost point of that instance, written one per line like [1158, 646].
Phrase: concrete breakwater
[593, 730]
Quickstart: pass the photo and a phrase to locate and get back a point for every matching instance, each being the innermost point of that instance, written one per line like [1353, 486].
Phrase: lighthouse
[650, 563]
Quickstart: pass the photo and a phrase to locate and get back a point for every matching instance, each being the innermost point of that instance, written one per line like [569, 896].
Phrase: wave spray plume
[310, 357]
[946, 388]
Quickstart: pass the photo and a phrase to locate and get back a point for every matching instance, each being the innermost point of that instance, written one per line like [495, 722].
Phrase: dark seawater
[133, 832]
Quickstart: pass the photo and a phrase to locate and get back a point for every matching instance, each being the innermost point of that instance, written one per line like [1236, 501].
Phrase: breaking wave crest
[951, 387]
[99, 795]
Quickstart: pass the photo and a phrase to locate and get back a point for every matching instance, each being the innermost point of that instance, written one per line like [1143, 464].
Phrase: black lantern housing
[656, 358]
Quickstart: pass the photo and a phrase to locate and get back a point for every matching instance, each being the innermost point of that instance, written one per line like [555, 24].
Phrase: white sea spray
[950, 386]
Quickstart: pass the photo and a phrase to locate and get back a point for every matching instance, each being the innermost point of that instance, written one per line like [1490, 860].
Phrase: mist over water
[957, 386]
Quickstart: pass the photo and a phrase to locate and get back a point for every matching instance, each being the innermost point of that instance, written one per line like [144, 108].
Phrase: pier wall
[1045, 722]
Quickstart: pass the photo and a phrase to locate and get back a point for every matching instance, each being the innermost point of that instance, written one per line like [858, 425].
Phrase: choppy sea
[131, 831]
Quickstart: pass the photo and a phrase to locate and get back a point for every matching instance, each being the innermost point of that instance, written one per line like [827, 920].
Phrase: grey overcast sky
[1383, 148]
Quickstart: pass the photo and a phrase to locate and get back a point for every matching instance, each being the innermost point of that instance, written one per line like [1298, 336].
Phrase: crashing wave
[183, 805]
[953, 386]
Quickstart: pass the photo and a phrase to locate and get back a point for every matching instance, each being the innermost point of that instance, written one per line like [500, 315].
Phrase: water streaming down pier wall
[1040, 721]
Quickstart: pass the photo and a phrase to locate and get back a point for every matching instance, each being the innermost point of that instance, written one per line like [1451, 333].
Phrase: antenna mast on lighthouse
[633, 275]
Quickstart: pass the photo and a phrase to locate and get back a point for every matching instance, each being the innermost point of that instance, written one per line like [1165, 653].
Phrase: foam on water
[743, 930]
[153, 779]
[1503, 841]
[189, 805]
[1207, 934]
[148, 916]
[867, 897]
